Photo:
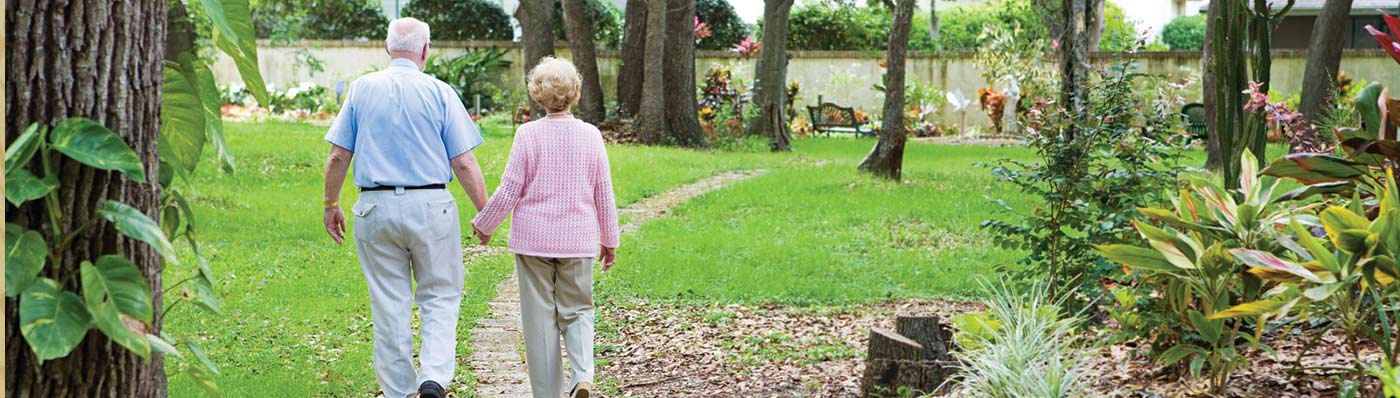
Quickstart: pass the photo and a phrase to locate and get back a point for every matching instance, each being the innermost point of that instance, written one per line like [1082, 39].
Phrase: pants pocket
[442, 219]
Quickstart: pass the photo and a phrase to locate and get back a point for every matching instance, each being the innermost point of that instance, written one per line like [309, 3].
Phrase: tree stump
[915, 357]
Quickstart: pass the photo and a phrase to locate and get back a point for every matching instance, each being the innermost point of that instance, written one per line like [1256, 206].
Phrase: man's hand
[335, 224]
[484, 237]
[607, 255]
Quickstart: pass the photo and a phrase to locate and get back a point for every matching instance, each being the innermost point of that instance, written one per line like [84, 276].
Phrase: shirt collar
[403, 63]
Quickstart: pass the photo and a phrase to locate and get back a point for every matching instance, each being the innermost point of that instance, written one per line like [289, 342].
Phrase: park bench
[1194, 116]
[828, 117]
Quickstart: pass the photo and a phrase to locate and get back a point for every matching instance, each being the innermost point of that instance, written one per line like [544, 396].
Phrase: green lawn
[296, 317]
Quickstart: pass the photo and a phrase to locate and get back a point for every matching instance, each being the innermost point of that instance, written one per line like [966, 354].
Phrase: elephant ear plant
[1188, 260]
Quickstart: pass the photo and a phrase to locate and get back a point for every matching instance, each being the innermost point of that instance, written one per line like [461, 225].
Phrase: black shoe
[431, 389]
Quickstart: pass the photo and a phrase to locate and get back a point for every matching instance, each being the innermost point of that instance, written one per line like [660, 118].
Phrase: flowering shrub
[701, 29]
[1302, 135]
[748, 47]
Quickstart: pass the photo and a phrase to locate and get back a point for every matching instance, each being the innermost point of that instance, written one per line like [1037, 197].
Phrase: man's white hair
[407, 34]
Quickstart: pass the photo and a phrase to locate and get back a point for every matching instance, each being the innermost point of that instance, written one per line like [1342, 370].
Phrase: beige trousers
[556, 297]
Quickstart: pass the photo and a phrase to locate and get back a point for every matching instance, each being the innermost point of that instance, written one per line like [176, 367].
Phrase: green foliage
[961, 28]
[290, 20]
[1031, 351]
[470, 73]
[726, 28]
[462, 19]
[838, 25]
[606, 19]
[1119, 32]
[1185, 33]
[233, 34]
[1191, 261]
[1092, 176]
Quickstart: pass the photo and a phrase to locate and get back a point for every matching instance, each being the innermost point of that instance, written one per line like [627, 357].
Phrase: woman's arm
[507, 195]
[606, 205]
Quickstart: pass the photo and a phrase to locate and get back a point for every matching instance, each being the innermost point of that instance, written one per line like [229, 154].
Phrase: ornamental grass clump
[1024, 348]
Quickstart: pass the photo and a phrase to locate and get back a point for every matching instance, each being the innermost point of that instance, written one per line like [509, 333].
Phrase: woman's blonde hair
[554, 84]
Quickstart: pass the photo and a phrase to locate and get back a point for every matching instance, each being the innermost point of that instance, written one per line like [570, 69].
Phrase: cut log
[894, 361]
[930, 333]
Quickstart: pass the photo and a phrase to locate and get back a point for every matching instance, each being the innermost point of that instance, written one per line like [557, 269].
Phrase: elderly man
[409, 134]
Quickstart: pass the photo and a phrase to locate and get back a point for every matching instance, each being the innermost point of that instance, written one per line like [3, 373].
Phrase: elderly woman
[558, 185]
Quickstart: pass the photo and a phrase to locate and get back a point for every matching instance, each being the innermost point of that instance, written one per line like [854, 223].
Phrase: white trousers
[556, 297]
[403, 237]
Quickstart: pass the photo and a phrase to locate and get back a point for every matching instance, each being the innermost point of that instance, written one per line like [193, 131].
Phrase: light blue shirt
[403, 126]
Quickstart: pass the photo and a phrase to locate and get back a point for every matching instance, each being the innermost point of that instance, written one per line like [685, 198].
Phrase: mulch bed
[668, 350]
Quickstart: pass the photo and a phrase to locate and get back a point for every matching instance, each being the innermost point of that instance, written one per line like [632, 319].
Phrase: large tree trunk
[651, 112]
[682, 121]
[1213, 155]
[634, 47]
[886, 159]
[99, 60]
[580, 32]
[1324, 58]
[537, 36]
[1077, 19]
[770, 76]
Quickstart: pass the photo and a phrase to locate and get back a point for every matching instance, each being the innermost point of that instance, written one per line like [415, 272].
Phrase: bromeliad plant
[1188, 259]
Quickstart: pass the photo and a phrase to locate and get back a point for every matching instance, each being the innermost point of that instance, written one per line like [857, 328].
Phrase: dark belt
[391, 188]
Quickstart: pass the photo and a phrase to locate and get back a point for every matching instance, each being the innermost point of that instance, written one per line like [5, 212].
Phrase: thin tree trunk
[770, 76]
[1227, 63]
[651, 112]
[886, 159]
[537, 36]
[634, 46]
[1077, 19]
[682, 121]
[1324, 58]
[99, 60]
[1096, 25]
[580, 31]
[933, 22]
[1214, 157]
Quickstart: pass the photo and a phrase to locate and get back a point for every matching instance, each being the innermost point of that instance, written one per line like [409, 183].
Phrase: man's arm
[337, 164]
[468, 174]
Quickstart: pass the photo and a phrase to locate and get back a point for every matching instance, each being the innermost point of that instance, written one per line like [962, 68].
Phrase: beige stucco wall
[841, 77]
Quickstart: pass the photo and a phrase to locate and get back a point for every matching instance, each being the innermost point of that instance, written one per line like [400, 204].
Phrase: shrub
[1119, 32]
[960, 28]
[288, 20]
[1022, 347]
[469, 73]
[462, 19]
[607, 22]
[1185, 33]
[838, 25]
[726, 28]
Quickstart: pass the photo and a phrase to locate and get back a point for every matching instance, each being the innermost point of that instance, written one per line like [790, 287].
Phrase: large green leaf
[181, 118]
[199, 354]
[1325, 188]
[94, 145]
[204, 294]
[1253, 308]
[159, 344]
[23, 148]
[25, 253]
[123, 330]
[22, 186]
[53, 321]
[1266, 264]
[133, 223]
[1312, 168]
[233, 34]
[213, 115]
[1137, 257]
[116, 281]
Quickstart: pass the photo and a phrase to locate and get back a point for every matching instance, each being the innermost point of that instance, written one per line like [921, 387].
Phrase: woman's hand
[607, 255]
[485, 238]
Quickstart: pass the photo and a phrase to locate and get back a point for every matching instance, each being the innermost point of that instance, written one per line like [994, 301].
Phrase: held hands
[484, 237]
[607, 255]
[335, 224]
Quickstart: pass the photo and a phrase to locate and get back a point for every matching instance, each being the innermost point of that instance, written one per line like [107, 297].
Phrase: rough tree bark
[99, 60]
[537, 37]
[1324, 58]
[770, 77]
[682, 121]
[580, 32]
[1076, 19]
[630, 73]
[1213, 154]
[651, 112]
[1096, 26]
[886, 159]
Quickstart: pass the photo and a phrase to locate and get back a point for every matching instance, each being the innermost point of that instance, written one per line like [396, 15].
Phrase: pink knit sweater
[559, 187]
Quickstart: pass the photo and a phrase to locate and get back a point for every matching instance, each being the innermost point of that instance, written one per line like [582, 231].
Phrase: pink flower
[702, 30]
[748, 47]
[1390, 42]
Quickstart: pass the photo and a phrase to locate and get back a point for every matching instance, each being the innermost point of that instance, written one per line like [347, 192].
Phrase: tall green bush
[838, 25]
[1185, 33]
[726, 28]
[462, 19]
[319, 19]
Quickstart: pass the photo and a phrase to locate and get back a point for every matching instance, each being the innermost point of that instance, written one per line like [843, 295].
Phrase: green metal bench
[1194, 116]
[828, 117]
